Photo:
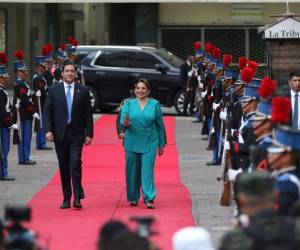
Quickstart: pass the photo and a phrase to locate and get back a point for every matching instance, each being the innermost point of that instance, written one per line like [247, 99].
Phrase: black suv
[109, 72]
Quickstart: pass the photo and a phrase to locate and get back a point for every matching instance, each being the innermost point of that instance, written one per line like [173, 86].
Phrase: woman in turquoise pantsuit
[144, 136]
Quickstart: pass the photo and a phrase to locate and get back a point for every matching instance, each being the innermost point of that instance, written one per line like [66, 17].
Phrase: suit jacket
[184, 69]
[291, 112]
[56, 112]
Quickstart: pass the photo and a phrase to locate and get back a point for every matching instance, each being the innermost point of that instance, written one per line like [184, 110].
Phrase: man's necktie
[69, 104]
[295, 115]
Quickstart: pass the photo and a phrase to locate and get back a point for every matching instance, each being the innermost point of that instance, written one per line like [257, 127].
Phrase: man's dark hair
[111, 231]
[294, 73]
[129, 241]
[257, 186]
[68, 62]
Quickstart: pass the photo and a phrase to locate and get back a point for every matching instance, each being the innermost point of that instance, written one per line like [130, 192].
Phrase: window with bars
[2, 30]
[179, 41]
[230, 41]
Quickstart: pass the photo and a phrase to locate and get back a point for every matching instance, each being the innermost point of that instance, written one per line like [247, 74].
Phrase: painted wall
[191, 14]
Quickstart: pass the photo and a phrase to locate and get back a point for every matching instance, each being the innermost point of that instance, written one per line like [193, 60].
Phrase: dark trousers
[189, 102]
[69, 152]
[40, 135]
[5, 143]
[25, 145]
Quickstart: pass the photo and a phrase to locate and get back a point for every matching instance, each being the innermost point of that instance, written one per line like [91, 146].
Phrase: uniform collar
[2, 86]
[19, 81]
[264, 136]
[276, 173]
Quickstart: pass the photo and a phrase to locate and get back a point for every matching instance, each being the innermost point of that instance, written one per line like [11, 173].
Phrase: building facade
[174, 26]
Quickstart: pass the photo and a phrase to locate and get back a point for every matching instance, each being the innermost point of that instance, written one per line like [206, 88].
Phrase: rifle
[220, 140]
[16, 134]
[212, 132]
[225, 191]
[38, 123]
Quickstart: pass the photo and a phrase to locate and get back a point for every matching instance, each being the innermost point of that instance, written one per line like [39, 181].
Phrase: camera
[17, 214]
[19, 237]
[144, 226]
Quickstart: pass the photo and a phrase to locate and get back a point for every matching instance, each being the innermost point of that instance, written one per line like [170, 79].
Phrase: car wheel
[178, 101]
[94, 98]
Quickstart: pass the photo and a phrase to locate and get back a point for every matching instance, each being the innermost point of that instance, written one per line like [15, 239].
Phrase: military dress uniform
[258, 154]
[246, 137]
[6, 122]
[40, 88]
[56, 70]
[286, 180]
[24, 106]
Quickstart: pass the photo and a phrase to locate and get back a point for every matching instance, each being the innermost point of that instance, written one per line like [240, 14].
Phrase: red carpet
[104, 184]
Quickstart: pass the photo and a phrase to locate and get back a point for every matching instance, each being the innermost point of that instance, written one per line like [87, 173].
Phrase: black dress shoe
[45, 148]
[149, 204]
[209, 148]
[133, 203]
[212, 163]
[66, 204]
[30, 162]
[77, 204]
[197, 121]
[7, 178]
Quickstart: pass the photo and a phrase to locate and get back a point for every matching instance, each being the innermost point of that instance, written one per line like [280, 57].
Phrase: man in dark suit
[186, 73]
[69, 123]
[294, 95]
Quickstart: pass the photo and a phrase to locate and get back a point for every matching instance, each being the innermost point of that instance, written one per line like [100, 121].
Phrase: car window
[169, 57]
[142, 60]
[112, 59]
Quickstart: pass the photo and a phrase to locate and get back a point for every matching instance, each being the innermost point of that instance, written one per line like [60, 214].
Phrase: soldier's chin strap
[238, 89]
[277, 158]
[247, 103]
[261, 124]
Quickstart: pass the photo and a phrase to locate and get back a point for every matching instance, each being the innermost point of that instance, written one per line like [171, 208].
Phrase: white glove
[36, 116]
[223, 115]
[215, 105]
[199, 78]
[14, 126]
[17, 105]
[226, 145]
[232, 174]
[190, 73]
[203, 94]
[38, 93]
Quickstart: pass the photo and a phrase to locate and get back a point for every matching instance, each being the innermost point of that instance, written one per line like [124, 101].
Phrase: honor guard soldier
[40, 87]
[246, 138]
[262, 126]
[47, 51]
[6, 121]
[24, 109]
[283, 156]
[61, 56]
[217, 91]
